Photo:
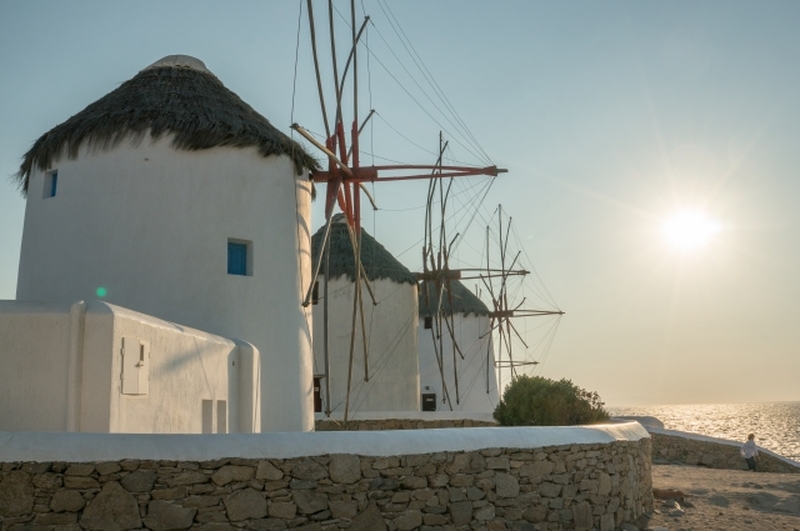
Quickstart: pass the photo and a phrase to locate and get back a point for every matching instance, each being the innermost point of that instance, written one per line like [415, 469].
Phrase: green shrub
[538, 401]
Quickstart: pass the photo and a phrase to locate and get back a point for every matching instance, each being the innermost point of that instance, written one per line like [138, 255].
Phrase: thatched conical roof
[377, 261]
[176, 95]
[464, 301]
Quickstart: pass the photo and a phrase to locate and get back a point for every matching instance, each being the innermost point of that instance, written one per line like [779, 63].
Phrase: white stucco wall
[35, 375]
[66, 370]
[391, 335]
[473, 339]
[151, 224]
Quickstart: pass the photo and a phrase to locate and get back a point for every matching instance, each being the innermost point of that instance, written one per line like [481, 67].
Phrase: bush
[538, 401]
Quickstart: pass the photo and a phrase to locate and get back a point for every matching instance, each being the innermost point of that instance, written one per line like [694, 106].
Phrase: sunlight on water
[776, 425]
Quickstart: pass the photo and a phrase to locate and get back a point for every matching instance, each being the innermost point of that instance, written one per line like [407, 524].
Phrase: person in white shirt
[749, 451]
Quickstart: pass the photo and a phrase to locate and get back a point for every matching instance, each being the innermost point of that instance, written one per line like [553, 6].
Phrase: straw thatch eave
[464, 301]
[378, 263]
[191, 105]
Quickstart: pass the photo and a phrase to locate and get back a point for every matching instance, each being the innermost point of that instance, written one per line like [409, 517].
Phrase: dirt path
[726, 500]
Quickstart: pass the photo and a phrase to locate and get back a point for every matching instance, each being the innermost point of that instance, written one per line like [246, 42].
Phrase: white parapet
[94, 447]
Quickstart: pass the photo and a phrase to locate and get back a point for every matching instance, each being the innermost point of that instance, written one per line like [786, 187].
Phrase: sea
[775, 424]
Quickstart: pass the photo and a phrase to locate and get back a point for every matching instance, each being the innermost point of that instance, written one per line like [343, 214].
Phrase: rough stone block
[498, 463]
[211, 515]
[190, 477]
[166, 516]
[79, 469]
[268, 471]
[345, 469]
[285, 510]
[607, 522]
[113, 509]
[462, 480]
[506, 486]
[244, 504]
[139, 481]
[434, 519]
[16, 494]
[414, 482]
[80, 482]
[370, 519]
[230, 473]
[438, 481]
[310, 502]
[549, 490]
[535, 514]
[169, 494]
[67, 500]
[105, 469]
[309, 470]
[582, 515]
[461, 512]
[408, 520]
[343, 509]
[48, 481]
[485, 513]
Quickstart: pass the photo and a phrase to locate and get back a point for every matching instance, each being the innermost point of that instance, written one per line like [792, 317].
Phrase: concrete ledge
[411, 415]
[95, 447]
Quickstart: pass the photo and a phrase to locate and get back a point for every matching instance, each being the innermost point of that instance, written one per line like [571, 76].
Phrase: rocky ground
[724, 500]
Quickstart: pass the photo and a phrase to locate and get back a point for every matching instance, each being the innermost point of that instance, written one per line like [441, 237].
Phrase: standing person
[749, 451]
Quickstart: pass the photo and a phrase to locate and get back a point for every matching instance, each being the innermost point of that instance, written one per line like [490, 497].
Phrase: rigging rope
[418, 62]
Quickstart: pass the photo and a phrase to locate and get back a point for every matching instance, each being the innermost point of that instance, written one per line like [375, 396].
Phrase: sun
[688, 230]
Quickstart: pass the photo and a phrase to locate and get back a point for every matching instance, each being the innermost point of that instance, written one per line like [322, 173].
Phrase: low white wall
[102, 368]
[571, 479]
[86, 447]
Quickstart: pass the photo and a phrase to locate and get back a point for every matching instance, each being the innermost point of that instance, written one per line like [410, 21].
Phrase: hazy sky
[610, 117]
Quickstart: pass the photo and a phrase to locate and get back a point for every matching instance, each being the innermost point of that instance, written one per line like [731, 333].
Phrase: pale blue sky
[609, 116]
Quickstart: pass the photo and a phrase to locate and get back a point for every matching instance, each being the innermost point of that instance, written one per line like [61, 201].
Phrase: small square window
[428, 322]
[240, 257]
[50, 184]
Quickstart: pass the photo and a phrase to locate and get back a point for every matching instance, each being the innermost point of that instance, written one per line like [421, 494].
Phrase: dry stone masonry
[689, 449]
[577, 487]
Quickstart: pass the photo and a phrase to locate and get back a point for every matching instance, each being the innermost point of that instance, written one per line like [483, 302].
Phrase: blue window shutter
[237, 258]
[53, 184]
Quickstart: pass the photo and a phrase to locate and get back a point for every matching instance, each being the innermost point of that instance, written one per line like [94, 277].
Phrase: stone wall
[688, 449]
[565, 487]
[399, 424]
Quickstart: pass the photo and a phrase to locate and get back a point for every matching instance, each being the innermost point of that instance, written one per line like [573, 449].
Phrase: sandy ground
[725, 500]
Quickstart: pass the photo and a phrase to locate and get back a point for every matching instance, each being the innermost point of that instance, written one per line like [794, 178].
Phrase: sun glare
[690, 229]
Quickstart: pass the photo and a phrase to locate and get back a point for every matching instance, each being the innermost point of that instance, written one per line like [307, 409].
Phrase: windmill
[508, 349]
[345, 175]
[503, 278]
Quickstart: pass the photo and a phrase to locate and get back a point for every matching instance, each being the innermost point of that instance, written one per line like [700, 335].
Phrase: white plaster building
[468, 384]
[172, 197]
[96, 367]
[393, 375]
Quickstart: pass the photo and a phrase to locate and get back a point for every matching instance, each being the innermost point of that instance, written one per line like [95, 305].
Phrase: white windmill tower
[173, 197]
[371, 367]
